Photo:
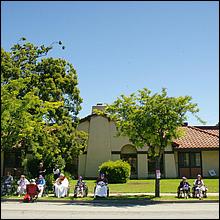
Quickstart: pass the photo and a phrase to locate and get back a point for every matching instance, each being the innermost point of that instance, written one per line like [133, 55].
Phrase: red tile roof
[198, 138]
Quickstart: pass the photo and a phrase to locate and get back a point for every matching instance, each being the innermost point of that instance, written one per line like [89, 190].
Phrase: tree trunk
[157, 177]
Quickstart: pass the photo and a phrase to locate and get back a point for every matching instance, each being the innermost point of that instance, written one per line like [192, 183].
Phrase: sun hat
[32, 181]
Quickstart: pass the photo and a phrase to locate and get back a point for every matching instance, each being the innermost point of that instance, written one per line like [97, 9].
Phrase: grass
[148, 186]
[139, 186]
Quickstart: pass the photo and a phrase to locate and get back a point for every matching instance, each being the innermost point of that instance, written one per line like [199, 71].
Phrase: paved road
[43, 210]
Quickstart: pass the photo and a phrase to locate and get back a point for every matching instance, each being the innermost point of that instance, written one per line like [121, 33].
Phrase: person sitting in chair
[61, 186]
[199, 189]
[41, 184]
[32, 190]
[22, 185]
[102, 178]
[7, 183]
[184, 186]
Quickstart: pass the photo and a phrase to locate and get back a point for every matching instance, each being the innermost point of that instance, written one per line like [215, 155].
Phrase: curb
[120, 201]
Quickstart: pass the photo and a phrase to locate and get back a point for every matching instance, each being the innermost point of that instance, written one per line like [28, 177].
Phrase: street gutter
[116, 201]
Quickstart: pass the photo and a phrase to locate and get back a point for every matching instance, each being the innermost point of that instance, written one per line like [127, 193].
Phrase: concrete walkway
[142, 194]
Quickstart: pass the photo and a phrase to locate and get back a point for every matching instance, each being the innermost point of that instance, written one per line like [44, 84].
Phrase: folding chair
[33, 191]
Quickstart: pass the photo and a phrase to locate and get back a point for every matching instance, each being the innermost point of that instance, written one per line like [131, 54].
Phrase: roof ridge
[199, 129]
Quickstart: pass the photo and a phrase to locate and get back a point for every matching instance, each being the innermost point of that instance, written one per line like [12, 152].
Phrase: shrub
[49, 181]
[116, 171]
[32, 167]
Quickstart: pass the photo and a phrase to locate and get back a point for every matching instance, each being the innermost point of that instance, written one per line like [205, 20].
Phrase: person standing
[41, 169]
[56, 172]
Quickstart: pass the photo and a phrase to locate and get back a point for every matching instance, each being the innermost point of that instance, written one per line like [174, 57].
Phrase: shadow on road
[116, 201]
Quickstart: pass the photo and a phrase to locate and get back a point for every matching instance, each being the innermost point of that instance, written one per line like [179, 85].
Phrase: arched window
[129, 154]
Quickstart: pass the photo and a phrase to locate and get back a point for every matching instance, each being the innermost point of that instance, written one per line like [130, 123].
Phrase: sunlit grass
[135, 186]
[148, 186]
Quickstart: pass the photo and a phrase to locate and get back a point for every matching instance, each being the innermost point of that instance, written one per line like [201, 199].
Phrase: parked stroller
[32, 192]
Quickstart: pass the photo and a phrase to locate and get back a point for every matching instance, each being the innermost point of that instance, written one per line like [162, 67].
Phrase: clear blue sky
[121, 47]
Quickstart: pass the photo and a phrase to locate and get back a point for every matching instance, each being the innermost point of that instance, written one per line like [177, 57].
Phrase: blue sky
[121, 47]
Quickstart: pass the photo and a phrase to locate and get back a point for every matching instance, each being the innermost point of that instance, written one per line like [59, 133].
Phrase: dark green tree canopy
[40, 102]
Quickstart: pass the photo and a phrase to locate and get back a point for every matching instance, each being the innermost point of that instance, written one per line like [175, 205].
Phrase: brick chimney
[98, 106]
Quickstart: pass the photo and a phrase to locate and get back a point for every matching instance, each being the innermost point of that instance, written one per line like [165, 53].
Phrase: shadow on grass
[116, 201]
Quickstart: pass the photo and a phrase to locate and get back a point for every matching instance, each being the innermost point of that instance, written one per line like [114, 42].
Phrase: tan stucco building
[197, 152]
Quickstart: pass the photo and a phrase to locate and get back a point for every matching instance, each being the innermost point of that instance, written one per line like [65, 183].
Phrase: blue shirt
[41, 182]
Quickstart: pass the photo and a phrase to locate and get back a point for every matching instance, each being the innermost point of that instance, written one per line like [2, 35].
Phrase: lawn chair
[32, 191]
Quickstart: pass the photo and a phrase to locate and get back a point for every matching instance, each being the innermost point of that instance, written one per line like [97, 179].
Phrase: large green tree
[152, 120]
[40, 101]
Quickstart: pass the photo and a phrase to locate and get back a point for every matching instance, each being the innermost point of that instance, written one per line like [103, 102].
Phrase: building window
[191, 159]
[184, 160]
[189, 164]
[152, 164]
[129, 154]
[195, 160]
[132, 160]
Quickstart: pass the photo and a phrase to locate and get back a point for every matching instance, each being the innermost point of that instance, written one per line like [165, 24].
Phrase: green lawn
[139, 186]
[146, 186]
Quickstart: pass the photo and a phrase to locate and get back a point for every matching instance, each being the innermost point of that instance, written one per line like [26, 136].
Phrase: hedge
[116, 171]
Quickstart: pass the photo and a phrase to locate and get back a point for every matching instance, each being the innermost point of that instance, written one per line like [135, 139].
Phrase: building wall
[99, 149]
[103, 142]
[170, 168]
[142, 166]
[210, 160]
[170, 163]
[82, 165]
[104, 145]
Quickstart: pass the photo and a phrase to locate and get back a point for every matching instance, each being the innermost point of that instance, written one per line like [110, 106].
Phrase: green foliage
[32, 167]
[40, 102]
[67, 175]
[151, 120]
[116, 171]
[49, 178]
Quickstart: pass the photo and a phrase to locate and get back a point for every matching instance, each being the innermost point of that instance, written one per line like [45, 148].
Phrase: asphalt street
[45, 210]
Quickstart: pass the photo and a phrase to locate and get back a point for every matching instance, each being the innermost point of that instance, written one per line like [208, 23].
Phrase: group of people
[198, 190]
[23, 182]
[61, 184]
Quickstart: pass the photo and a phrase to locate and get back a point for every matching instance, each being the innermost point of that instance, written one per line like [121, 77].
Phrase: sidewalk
[144, 194]
[125, 200]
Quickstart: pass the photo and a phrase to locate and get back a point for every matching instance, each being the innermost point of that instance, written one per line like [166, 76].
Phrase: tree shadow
[116, 201]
